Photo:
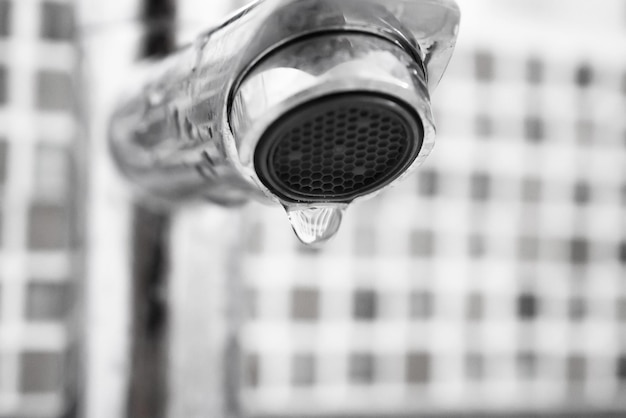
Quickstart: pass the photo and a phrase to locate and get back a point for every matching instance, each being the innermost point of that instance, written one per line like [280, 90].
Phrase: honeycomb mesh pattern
[338, 148]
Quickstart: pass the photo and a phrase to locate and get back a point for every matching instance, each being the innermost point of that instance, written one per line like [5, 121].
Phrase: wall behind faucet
[493, 281]
[39, 244]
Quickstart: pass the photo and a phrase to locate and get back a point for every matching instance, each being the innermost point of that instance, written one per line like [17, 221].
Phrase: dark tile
[584, 75]
[480, 186]
[484, 66]
[41, 372]
[57, 21]
[527, 306]
[422, 243]
[54, 91]
[422, 305]
[305, 304]
[621, 252]
[418, 368]
[303, 370]
[49, 227]
[579, 251]
[361, 368]
[527, 365]
[582, 193]
[428, 183]
[4, 84]
[577, 308]
[576, 368]
[621, 368]
[365, 305]
[477, 246]
[5, 18]
[534, 129]
[475, 366]
[534, 70]
[4, 160]
[48, 301]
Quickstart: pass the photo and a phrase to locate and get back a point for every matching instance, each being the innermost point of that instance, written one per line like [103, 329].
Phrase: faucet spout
[303, 103]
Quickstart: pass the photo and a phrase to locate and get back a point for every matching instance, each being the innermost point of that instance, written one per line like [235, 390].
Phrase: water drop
[315, 225]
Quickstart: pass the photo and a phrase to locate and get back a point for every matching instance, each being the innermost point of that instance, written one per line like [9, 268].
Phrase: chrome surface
[320, 66]
[171, 133]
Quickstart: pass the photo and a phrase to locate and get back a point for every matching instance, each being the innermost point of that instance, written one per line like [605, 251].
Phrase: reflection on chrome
[188, 126]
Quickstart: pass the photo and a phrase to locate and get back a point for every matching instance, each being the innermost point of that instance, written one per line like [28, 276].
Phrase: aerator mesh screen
[338, 147]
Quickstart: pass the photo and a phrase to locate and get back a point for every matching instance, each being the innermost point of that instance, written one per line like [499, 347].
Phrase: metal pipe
[149, 359]
[187, 126]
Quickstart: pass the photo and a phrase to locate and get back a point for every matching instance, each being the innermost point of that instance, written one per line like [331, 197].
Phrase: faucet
[312, 104]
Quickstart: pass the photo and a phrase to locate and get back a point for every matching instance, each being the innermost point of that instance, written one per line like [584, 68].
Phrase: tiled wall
[37, 205]
[493, 280]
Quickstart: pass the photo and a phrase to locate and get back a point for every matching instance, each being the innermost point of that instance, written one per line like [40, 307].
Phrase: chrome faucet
[311, 104]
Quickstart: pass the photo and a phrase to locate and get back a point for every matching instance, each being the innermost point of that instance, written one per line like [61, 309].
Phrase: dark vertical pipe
[147, 397]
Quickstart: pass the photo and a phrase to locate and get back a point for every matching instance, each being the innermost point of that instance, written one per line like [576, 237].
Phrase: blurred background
[491, 283]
